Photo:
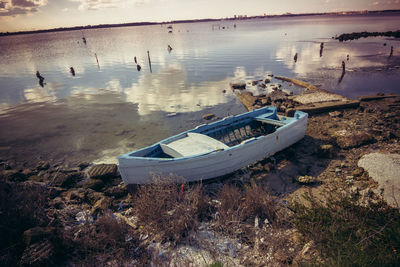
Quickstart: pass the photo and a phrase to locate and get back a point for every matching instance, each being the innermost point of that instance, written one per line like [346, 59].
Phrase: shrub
[169, 208]
[244, 206]
[106, 240]
[22, 206]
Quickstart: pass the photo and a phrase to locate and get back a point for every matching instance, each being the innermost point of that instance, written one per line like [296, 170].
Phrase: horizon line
[240, 17]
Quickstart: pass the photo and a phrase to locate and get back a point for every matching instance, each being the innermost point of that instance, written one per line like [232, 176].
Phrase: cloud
[18, 7]
[103, 4]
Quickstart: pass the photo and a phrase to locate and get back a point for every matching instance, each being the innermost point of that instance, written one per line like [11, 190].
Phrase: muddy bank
[87, 211]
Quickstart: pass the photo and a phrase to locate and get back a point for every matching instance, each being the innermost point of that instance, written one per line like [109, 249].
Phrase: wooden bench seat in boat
[192, 144]
[264, 118]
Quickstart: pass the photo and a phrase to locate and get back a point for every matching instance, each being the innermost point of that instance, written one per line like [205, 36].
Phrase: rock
[36, 234]
[101, 206]
[38, 254]
[265, 101]
[77, 195]
[269, 167]
[254, 83]
[95, 184]
[326, 151]
[103, 171]
[306, 179]
[92, 196]
[64, 180]
[239, 86]
[355, 139]
[277, 96]
[384, 169]
[224, 91]
[83, 217]
[208, 116]
[267, 81]
[336, 114]
[357, 172]
[263, 86]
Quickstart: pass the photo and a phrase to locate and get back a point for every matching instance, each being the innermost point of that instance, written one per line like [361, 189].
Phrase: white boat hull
[139, 170]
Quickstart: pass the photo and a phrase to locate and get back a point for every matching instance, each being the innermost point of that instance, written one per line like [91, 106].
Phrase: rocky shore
[358, 35]
[51, 214]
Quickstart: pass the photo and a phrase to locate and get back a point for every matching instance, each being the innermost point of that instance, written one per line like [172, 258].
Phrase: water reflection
[109, 105]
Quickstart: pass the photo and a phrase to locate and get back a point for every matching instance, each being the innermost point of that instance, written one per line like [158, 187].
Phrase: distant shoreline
[77, 28]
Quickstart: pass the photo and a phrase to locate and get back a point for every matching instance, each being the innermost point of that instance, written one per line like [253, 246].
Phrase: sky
[18, 15]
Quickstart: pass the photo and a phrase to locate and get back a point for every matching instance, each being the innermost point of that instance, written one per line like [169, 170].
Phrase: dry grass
[169, 208]
[22, 206]
[253, 216]
[242, 207]
[108, 240]
[349, 234]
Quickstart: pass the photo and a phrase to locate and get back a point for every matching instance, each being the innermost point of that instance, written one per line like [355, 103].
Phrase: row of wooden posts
[72, 70]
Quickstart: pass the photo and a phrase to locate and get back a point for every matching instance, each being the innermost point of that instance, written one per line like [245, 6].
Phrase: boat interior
[218, 137]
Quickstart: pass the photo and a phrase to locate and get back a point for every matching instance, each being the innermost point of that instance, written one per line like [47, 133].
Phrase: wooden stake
[98, 65]
[148, 56]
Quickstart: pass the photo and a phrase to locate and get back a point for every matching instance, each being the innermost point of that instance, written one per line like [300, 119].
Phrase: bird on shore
[295, 58]
[71, 69]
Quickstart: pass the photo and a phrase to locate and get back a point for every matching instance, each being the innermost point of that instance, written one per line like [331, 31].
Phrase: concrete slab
[385, 170]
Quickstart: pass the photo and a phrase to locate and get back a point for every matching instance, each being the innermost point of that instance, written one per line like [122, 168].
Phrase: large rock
[351, 139]
[385, 170]
[65, 180]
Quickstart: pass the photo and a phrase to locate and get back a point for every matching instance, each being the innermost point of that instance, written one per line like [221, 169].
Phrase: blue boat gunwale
[200, 128]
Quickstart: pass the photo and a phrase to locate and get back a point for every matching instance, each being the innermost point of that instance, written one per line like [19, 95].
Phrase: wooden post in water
[148, 56]
[98, 65]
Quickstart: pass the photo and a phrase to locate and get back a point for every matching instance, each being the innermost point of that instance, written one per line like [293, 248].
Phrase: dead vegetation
[22, 206]
[345, 233]
[107, 240]
[168, 209]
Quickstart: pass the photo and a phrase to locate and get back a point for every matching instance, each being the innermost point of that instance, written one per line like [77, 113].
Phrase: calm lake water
[109, 108]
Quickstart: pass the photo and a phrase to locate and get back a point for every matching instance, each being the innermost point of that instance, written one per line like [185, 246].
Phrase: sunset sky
[16, 15]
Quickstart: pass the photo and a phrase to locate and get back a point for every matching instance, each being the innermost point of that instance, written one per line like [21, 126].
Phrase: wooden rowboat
[215, 149]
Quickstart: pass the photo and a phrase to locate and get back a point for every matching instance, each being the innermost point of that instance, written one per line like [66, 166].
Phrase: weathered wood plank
[328, 106]
[365, 98]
